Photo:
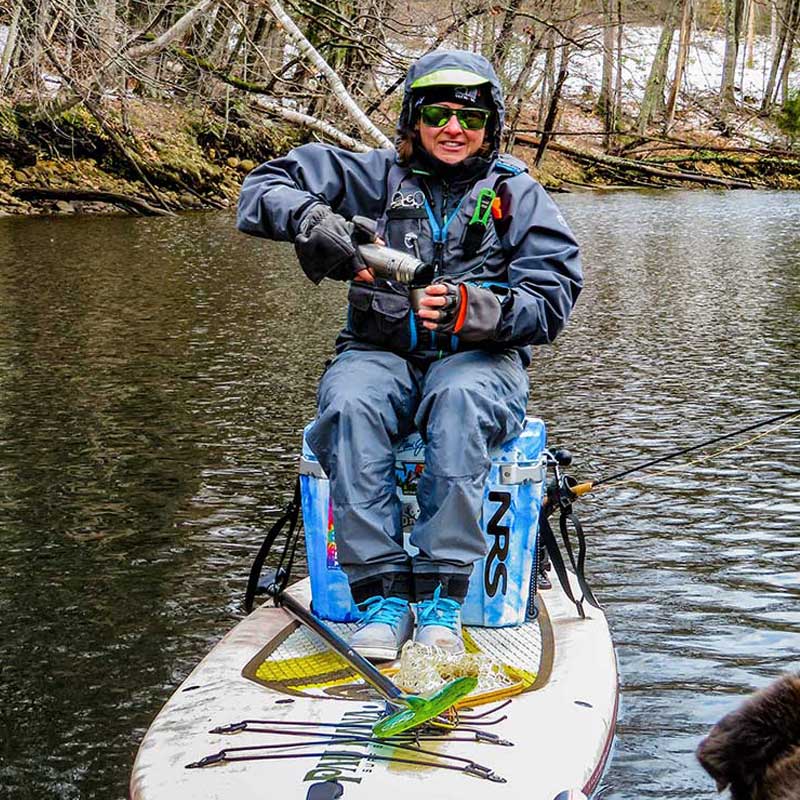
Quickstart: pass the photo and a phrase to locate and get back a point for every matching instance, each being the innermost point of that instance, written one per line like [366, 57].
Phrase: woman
[507, 274]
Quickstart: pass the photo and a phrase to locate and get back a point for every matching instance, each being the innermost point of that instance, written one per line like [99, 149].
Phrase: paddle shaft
[360, 664]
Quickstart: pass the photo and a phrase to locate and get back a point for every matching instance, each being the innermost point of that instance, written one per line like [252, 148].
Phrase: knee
[455, 405]
[345, 400]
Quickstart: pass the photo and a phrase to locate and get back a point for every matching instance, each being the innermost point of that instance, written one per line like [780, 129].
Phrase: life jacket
[464, 247]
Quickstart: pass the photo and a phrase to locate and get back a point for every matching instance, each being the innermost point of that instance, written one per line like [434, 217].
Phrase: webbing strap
[549, 540]
[284, 569]
[567, 517]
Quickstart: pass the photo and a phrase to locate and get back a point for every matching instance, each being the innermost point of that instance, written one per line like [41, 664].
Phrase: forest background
[154, 106]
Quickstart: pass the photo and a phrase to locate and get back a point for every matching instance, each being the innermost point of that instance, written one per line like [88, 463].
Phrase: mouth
[451, 145]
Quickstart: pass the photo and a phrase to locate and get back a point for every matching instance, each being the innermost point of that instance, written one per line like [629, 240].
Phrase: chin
[451, 157]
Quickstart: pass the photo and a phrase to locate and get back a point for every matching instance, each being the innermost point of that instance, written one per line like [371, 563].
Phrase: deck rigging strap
[257, 753]
[284, 567]
[560, 496]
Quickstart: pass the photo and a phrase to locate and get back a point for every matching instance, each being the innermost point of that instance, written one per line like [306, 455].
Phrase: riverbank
[141, 156]
[149, 157]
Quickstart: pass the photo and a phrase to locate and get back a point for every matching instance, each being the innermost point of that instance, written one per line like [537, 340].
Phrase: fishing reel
[562, 489]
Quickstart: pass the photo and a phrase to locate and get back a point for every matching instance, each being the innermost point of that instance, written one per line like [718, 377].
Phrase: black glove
[325, 246]
[470, 312]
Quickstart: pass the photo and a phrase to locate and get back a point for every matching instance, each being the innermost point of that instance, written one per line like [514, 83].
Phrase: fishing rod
[562, 490]
[580, 489]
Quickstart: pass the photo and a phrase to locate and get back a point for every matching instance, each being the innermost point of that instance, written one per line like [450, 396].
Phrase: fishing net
[425, 669]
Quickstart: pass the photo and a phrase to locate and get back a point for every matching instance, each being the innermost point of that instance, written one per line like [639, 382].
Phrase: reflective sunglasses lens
[472, 119]
[436, 116]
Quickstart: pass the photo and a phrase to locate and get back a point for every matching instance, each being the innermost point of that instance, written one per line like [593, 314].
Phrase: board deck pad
[269, 712]
[301, 664]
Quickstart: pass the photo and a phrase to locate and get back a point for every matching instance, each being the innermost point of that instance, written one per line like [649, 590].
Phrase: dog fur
[756, 748]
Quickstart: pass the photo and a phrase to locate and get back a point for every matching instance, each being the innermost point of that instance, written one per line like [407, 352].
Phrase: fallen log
[125, 201]
[617, 163]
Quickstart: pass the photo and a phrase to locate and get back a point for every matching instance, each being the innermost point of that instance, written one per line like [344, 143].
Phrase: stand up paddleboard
[271, 711]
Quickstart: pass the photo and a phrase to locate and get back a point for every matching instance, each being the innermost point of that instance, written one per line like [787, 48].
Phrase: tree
[734, 11]
[653, 100]
[781, 55]
[606, 101]
[680, 62]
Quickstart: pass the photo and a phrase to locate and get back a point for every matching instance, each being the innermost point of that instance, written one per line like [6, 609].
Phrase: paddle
[412, 709]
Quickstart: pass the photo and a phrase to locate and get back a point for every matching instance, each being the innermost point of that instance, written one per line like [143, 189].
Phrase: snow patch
[702, 75]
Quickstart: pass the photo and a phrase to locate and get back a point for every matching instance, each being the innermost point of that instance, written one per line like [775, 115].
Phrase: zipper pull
[411, 241]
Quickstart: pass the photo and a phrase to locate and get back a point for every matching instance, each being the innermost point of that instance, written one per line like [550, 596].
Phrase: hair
[756, 748]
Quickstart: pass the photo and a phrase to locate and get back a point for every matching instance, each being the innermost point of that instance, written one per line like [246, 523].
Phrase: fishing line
[786, 418]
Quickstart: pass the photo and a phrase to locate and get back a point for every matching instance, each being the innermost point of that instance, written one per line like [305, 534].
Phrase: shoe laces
[386, 610]
[439, 611]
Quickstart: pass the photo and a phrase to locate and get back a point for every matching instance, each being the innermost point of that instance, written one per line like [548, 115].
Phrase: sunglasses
[470, 119]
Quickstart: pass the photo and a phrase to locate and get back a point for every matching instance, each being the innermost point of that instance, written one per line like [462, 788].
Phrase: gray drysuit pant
[463, 406]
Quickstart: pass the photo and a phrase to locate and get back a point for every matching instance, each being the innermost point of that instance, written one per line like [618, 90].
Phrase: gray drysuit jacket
[526, 254]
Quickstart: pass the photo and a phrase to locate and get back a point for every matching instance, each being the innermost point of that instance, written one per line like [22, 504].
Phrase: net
[425, 669]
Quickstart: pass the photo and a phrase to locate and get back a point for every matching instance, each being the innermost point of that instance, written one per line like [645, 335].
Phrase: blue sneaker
[439, 623]
[387, 624]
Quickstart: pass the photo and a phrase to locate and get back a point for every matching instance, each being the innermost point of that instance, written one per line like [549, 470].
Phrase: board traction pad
[296, 662]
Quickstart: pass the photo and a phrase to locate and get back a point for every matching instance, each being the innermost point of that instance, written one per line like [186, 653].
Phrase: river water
[155, 375]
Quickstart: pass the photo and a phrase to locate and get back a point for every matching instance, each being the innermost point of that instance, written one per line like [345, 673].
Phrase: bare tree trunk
[107, 27]
[618, 81]
[107, 38]
[517, 93]
[39, 36]
[793, 22]
[680, 62]
[548, 80]
[653, 100]
[552, 111]
[69, 50]
[751, 33]
[504, 39]
[314, 124]
[11, 43]
[606, 102]
[789, 11]
[487, 36]
[733, 32]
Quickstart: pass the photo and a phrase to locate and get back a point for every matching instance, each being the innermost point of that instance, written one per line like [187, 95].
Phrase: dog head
[756, 748]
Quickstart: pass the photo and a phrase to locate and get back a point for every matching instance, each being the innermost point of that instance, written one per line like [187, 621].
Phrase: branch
[342, 95]
[625, 163]
[109, 130]
[171, 34]
[314, 124]
[449, 31]
[272, 106]
[124, 200]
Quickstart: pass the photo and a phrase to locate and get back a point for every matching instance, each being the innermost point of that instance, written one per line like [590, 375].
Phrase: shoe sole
[377, 653]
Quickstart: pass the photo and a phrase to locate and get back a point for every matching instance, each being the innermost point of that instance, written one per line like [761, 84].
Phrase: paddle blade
[424, 708]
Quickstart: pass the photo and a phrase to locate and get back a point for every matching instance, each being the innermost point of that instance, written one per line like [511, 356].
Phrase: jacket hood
[453, 63]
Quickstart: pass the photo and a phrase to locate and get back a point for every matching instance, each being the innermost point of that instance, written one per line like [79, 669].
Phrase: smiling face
[451, 144]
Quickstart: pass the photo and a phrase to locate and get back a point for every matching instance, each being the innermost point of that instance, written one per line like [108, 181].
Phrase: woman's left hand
[438, 305]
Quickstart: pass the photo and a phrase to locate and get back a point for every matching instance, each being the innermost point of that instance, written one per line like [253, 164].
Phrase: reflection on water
[154, 378]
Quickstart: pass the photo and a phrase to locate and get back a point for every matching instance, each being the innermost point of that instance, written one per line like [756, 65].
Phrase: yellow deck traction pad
[296, 662]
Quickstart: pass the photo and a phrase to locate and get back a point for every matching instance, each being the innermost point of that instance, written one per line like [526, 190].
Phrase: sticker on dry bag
[496, 571]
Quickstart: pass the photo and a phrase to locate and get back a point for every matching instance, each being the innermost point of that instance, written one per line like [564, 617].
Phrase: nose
[452, 126]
